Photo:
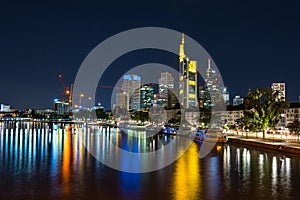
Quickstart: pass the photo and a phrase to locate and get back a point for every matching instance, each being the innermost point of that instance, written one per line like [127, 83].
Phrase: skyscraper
[61, 107]
[280, 87]
[225, 96]
[165, 83]
[131, 86]
[213, 84]
[123, 100]
[188, 79]
[204, 97]
[237, 100]
[146, 96]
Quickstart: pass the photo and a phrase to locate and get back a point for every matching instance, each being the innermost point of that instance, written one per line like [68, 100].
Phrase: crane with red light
[67, 90]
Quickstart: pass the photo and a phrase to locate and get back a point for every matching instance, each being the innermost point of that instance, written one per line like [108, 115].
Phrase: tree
[262, 110]
[205, 116]
[174, 121]
[141, 116]
[101, 114]
[295, 128]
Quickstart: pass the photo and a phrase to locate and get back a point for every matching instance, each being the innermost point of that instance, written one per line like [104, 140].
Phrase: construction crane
[67, 90]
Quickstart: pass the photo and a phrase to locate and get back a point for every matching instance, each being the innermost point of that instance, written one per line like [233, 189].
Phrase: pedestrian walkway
[286, 143]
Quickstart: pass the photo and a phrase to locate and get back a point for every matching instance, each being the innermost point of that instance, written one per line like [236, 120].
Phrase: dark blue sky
[253, 43]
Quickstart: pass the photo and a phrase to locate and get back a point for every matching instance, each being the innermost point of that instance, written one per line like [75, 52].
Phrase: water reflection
[40, 160]
[186, 183]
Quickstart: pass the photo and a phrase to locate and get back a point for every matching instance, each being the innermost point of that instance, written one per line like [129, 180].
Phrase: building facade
[212, 81]
[187, 79]
[280, 87]
[165, 83]
[237, 100]
[131, 86]
[61, 107]
[147, 96]
[123, 100]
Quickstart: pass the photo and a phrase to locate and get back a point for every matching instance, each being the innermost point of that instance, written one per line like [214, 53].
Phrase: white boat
[209, 135]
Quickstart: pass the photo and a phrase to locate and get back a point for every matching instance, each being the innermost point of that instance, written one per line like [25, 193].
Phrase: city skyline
[149, 99]
[258, 43]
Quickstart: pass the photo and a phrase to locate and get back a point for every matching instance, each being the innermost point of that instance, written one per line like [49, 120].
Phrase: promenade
[280, 142]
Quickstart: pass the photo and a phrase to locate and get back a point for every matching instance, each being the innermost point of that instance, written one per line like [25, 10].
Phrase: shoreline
[284, 147]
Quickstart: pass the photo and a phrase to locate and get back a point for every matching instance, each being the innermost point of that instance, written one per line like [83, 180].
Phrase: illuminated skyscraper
[188, 79]
[226, 97]
[131, 86]
[165, 83]
[238, 100]
[213, 85]
[61, 107]
[123, 100]
[280, 87]
[146, 96]
[204, 97]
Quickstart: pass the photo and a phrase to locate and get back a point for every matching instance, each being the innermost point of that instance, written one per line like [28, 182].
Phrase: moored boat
[209, 135]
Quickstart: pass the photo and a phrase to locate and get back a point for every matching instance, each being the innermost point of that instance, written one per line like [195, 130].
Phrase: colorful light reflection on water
[39, 160]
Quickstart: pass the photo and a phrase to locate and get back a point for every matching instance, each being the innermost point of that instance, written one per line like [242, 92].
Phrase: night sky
[253, 43]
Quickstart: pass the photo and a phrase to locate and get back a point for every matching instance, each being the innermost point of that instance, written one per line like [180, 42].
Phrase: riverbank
[276, 145]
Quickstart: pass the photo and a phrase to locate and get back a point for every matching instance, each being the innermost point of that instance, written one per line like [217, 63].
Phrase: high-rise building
[204, 97]
[123, 100]
[172, 98]
[226, 96]
[4, 108]
[61, 107]
[213, 84]
[280, 87]
[188, 79]
[131, 86]
[147, 96]
[165, 83]
[237, 100]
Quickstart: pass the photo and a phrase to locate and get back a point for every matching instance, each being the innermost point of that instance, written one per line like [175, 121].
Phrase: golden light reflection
[186, 182]
[66, 162]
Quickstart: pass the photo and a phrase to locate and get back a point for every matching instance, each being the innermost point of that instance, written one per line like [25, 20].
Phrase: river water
[46, 161]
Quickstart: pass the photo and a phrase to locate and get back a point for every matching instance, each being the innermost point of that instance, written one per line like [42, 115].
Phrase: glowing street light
[80, 97]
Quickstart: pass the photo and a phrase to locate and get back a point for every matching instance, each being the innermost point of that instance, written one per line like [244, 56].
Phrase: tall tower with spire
[188, 79]
[212, 81]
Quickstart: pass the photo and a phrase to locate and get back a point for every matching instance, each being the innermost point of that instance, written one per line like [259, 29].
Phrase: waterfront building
[61, 107]
[280, 87]
[237, 100]
[147, 96]
[290, 115]
[232, 114]
[188, 79]
[4, 108]
[131, 86]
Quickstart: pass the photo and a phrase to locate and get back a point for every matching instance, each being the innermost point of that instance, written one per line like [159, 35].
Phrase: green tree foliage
[262, 110]
[205, 116]
[141, 116]
[101, 114]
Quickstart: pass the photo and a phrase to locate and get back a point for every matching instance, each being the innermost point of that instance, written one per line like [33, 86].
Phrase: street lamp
[80, 97]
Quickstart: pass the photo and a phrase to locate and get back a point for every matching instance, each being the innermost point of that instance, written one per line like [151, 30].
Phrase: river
[49, 161]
